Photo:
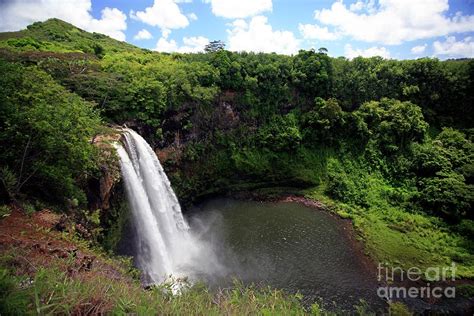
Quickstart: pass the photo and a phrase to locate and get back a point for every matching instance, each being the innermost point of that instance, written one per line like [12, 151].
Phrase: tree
[324, 122]
[229, 69]
[281, 133]
[445, 171]
[323, 50]
[47, 131]
[447, 195]
[312, 73]
[214, 46]
[390, 124]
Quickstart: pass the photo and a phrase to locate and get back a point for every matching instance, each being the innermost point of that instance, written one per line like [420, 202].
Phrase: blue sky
[390, 28]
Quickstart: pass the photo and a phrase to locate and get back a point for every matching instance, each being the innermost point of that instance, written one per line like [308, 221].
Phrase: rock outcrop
[101, 188]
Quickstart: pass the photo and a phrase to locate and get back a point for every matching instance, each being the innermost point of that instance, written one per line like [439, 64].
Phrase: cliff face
[101, 188]
[105, 192]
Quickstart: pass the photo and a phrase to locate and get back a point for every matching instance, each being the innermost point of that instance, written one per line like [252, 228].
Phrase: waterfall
[165, 246]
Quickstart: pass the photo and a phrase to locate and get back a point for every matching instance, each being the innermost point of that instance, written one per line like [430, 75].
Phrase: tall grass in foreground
[51, 291]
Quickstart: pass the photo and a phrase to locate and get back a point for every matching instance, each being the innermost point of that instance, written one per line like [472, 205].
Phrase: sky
[399, 29]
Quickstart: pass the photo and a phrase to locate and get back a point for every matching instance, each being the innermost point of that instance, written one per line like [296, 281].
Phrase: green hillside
[58, 36]
[387, 144]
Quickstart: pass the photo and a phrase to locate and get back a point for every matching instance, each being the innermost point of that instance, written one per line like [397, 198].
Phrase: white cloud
[419, 49]
[258, 36]
[163, 45]
[143, 34]
[351, 53]
[313, 31]
[191, 45]
[453, 48]
[392, 22]
[194, 44]
[16, 15]
[165, 33]
[238, 24]
[357, 6]
[235, 9]
[112, 23]
[192, 16]
[163, 13]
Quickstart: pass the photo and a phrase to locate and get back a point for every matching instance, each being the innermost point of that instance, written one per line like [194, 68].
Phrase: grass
[400, 237]
[36, 278]
[40, 274]
[466, 290]
[4, 211]
[51, 291]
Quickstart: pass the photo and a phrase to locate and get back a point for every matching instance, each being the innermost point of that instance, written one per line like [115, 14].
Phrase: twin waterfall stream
[166, 250]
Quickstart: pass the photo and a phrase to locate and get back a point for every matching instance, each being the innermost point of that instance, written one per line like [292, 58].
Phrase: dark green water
[288, 246]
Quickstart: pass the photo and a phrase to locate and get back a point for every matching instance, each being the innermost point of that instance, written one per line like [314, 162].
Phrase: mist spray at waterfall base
[284, 245]
[165, 248]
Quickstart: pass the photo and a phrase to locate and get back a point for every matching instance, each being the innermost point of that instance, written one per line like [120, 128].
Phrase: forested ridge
[387, 143]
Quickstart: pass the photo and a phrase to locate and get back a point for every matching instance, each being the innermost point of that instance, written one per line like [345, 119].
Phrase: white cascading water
[165, 247]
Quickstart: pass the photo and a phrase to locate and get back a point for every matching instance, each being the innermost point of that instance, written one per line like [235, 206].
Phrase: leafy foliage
[324, 122]
[259, 109]
[47, 132]
[389, 141]
[390, 125]
[281, 134]
[214, 46]
[444, 168]
[59, 36]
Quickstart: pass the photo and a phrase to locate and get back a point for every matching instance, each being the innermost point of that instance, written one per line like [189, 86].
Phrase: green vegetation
[46, 132]
[466, 290]
[386, 143]
[52, 291]
[394, 232]
[4, 211]
[58, 36]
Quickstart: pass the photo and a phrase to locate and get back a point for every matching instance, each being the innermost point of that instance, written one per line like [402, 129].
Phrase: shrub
[447, 195]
